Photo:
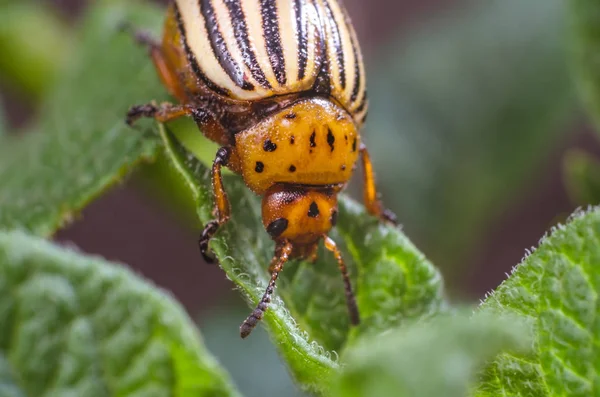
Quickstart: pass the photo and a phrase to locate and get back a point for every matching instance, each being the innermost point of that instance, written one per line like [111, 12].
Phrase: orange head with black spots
[299, 214]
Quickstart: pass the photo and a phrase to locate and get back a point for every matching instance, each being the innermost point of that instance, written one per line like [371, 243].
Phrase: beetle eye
[277, 227]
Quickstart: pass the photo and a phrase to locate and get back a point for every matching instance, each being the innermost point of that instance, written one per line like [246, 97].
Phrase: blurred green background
[474, 129]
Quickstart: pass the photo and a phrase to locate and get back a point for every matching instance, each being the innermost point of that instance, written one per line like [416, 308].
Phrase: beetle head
[300, 214]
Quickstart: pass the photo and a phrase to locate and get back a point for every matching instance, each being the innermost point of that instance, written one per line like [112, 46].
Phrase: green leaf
[463, 113]
[82, 145]
[582, 177]
[557, 287]
[73, 325]
[430, 359]
[585, 25]
[392, 279]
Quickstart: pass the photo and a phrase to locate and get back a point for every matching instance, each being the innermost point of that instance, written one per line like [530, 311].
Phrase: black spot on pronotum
[269, 146]
[313, 210]
[330, 139]
[354, 145]
[343, 167]
[277, 227]
[290, 116]
[292, 140]
[259, 167]
[346, 138]
[292, 168]
[312, 139]
[333, 219]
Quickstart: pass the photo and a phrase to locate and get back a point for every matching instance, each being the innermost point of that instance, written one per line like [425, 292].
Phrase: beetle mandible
[280, 86]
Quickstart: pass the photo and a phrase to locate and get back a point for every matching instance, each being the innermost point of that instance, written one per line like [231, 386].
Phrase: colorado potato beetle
[280, 86]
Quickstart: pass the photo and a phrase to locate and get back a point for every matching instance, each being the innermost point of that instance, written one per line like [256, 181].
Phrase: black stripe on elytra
[357, 75]
[323, 81]
[337, 43]
[362, 104]
[240, 30]
[364, 118]
[219, 47]
[302, 32]
[322, 84]
[271, 35]
[357, 61]
[192, 58]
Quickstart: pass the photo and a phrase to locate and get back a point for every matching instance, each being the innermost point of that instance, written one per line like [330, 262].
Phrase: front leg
[162, 113]
[222, 208]
[372, 202]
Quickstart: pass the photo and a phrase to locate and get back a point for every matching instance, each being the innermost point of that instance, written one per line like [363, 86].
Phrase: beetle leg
[313, 255]
[372, 202]
[350, 299]
[162, 113]
[222, 210]
[282, 254]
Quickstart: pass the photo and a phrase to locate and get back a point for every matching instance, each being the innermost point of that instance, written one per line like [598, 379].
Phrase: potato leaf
[74, 325]
[82, 144]
[557, 288]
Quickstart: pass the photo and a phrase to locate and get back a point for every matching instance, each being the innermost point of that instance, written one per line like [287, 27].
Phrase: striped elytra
[255, 49]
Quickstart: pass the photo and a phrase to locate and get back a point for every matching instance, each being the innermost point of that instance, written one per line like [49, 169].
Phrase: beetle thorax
[313, 142]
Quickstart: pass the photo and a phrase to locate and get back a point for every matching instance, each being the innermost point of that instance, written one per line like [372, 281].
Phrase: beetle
[280, 86]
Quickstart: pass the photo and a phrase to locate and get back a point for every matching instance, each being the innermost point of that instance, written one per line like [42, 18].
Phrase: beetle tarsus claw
[209, 231]
[139, 111]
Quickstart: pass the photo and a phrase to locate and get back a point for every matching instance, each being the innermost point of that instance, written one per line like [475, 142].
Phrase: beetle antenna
[282, 254]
